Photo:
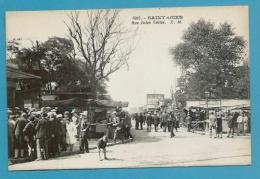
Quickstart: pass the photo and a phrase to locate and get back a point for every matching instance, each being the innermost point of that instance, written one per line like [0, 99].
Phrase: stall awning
[15, 74]
[79, 102]
[241, 107]
[114, 104]
[73, 102]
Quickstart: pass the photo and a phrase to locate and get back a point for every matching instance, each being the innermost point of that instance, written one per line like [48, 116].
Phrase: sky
[151, 66]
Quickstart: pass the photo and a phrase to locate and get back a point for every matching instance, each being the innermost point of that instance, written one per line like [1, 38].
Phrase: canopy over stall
[16, 97]
[15, 74]
[97, 110]
[79, 102]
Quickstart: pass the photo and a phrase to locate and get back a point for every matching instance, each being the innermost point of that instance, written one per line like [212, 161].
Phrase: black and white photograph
[128, 88]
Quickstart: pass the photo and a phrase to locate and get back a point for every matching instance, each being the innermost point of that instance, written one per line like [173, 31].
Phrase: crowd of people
[168, 121]
[41, 134]
[121, 124]
[237, 122]
[44, 133]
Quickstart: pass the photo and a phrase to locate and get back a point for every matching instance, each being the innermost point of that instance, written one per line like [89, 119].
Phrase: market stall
[97, 111]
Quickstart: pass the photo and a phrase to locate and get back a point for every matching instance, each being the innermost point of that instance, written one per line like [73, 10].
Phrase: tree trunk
[93, 88]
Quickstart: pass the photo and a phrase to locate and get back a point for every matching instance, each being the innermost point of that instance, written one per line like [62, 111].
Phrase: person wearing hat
[172, 123]
[11, 136]
[119, 131]
[169, 121]
[101, 145]
[164, 121]
[156, 122]
[17, 110]
[84, 130]
[54, 130]
[58, 133]
[219, 125]
[231, 123]
[118, 109]
[149, 121]
[119, 125]
[141, 120]
[136, 117]
[29, 134]
[47, 109]
[177, 123]
[75, 117]
[189, 121]
[54, 110]
[127, 127]
[212, 123]
[42, 131]
[9, 112]
[202, 117]
[19, 137]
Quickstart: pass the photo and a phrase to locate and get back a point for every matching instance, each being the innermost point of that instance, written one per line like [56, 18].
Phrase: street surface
[157, 149]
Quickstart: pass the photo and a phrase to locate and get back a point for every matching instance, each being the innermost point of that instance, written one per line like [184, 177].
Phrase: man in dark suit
[232, 123]
[84, 130]
[11, 136]
[156, 122]
[29, 133]
[137, 120]
[58, 132]
[64, 131]
[19, 137]
[172, 122]
[149, 119]
[164, 121]
[42, 132]
[141, 120]
[119, 125]
[53, 142]
[189, 121]
[127, 126]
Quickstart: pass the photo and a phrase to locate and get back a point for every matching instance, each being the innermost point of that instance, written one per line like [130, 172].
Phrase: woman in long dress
[71, 134]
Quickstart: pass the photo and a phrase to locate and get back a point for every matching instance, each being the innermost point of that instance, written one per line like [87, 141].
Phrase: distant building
[154, 101]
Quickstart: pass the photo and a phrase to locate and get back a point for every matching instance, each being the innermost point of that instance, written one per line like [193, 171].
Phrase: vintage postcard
[128, 88]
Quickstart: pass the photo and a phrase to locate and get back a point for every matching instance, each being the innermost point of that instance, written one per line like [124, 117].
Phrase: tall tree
[211, 56]
[55, 61]
[102, 42]
[28, 59]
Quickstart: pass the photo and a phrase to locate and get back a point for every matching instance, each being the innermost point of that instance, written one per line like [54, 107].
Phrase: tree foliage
[55, 62]
[211, 59]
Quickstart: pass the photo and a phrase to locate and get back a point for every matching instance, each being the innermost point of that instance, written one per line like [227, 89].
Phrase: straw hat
[12, 116]
[84, 113]
[59, 116]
